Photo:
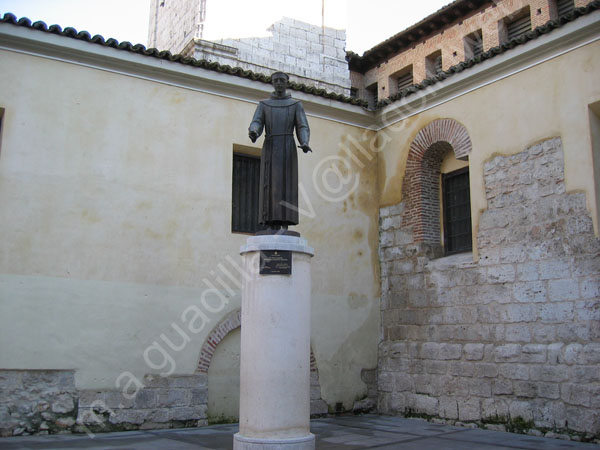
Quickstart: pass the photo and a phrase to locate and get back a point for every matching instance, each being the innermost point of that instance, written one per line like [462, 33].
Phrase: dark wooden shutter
[457, 211]
[518, 27]
[405, 81]
[246, 174]
[564, 7]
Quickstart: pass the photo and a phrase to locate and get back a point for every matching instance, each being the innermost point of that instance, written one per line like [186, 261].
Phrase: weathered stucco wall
[505, 117]
[115, 197]
[506, 337]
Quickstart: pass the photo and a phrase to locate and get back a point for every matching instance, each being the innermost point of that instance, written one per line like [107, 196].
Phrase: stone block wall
[512, 341]
[163, 402]
[37, 401]
[368, 404]
[310, 54]
[172, 24]
[47, 402]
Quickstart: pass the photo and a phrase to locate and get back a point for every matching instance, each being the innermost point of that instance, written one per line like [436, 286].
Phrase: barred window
[518, 25]
[564, 7]
[457, 211]
[405, 81]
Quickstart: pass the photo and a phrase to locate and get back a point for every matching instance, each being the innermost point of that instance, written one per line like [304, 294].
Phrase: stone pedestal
[275, 350]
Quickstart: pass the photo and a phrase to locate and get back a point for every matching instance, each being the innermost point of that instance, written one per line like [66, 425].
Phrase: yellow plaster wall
[224, 380]
[450, 163]
[115, 197]
[504, 118]
[594, 113]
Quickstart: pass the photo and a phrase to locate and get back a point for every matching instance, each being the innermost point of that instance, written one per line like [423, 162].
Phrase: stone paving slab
[340, 433]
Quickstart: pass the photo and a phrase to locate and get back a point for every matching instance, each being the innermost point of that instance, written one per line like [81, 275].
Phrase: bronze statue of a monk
[279, 115]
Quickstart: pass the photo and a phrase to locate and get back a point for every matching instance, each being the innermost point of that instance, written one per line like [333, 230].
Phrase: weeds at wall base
[221, 420]
[512, 425]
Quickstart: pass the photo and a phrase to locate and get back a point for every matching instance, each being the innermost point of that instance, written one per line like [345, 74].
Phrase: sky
[367, 22]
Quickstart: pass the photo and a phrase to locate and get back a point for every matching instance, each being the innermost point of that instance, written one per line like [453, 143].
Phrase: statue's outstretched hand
[305, 148]
[253, 135]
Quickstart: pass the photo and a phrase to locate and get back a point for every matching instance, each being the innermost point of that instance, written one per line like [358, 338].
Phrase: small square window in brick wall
[473, 45]
[564, 7]
[372, 95]
[519, 25]
[405, 80]
[433, 64]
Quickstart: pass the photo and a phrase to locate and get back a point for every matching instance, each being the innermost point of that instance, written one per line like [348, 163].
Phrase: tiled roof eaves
[166, 55]
[543, 29]
[414, 34]
[422, 21]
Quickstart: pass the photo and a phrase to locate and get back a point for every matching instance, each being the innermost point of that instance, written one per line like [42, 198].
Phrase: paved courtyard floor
[343, 433]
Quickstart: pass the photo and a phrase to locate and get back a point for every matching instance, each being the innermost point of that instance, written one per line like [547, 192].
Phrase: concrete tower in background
[310, 54]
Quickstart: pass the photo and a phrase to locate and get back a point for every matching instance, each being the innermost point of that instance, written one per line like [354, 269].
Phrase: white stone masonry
[308, 53]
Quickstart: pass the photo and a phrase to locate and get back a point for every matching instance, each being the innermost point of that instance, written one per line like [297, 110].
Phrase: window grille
[518, 27]
[438, 64]
[245, 188]
[473, 45]
[405, 80]
[457, 211]
[564, 7]
[433, 64]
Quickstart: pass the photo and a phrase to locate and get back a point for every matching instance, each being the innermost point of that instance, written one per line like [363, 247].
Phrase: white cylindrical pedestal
[275, 350]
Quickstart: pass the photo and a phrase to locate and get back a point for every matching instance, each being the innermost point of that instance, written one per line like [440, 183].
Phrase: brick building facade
[458, 32]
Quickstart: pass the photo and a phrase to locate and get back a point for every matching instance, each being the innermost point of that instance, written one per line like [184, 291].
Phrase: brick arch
[231, 322]
[445, 130]
[421, 180]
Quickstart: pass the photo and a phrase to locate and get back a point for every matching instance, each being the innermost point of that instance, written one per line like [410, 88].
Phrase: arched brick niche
[421, 180]
[232, 321]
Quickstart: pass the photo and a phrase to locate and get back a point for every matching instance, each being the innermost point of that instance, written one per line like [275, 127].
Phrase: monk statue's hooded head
[279, 80]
